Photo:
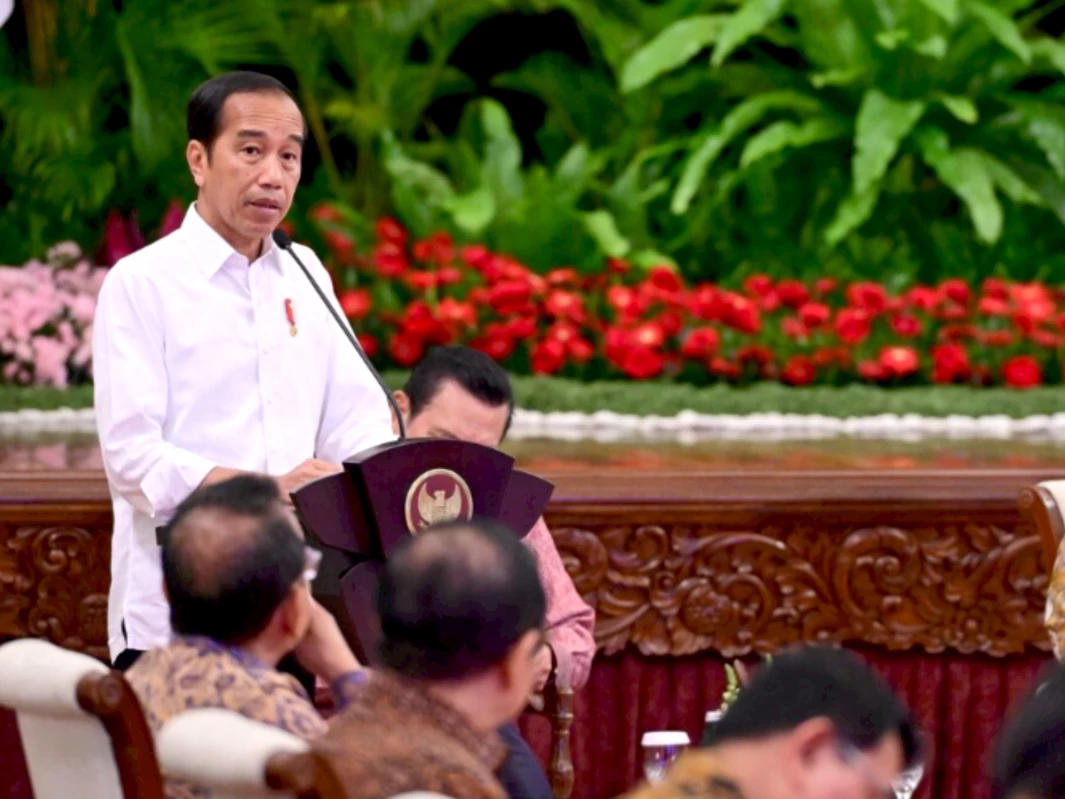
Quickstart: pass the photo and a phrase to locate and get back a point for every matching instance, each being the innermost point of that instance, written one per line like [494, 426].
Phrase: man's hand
[308, 471]
[323, 650]
[544, 665]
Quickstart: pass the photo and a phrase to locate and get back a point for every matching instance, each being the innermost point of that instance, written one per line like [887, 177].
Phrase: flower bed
[404, 296]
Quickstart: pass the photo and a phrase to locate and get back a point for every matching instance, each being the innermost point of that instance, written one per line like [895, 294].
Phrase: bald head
[456, 599]
[230, 556]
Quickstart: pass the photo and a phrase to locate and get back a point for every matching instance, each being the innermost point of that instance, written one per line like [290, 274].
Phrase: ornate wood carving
[678, 589]
[53, 584]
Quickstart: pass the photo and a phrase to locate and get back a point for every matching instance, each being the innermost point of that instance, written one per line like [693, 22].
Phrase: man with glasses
[237, 574]
[814, 723]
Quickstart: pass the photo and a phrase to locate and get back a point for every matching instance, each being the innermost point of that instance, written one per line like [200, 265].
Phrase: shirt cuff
[172, 479]
[347, 687]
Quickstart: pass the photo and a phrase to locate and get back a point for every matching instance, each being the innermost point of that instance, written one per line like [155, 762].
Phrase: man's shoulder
[150, 262]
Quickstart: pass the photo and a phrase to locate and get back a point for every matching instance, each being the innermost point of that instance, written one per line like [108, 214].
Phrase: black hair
[228, 590]
[819, 682]
[455, 600]
[204, 113]
[1029, 755]
[472, 370]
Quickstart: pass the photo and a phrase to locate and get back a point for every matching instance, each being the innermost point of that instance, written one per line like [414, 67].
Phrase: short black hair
[228, 588]
[819, 682]
[456, 599]
[204, 114]
[471, 369]
[1029, 756]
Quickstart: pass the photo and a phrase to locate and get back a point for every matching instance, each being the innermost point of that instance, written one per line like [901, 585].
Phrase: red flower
[405, 349]
[956, 290]
[993, 287]
[852, 325]
[562, 277]
[509, 296]
[740, 313]
[799, 371]
[449, 276]
[664, 278]
[340, 243]
[704, 302]
[899, 361]
[723, 368]
[906, 326]
[389, 229]
[873, 371]
[389, 259]
[649, 334]
[642, 363]
[452, 310]
[793, 327]
[700, 343]
[617, 266]
[814, 314]
[758, 285]
[615, 342]
[997, 338]
[355, 303]
[1022, 371]
[420, 281]
[496, 347]
[626, 302]
[521, 327]
[475, 255]
[324, 212]
[993, 306]
[548, 357]
[923, 298]
[871, 297]
[825, 285]
[950, 363]
[792, 293]
[565, 305]
[369, 344]
[580, 350]
[671, 322]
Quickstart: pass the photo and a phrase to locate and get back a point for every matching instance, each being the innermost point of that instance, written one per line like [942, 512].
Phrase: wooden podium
[384, 495]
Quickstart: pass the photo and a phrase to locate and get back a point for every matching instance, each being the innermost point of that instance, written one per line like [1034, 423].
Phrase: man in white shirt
[212, 353]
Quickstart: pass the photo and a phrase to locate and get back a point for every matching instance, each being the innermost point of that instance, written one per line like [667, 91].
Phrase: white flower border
[685, 427]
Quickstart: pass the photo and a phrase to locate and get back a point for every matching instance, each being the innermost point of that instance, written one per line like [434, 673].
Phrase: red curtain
[959, 701]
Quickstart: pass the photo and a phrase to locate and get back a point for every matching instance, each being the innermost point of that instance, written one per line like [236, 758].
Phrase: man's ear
[198, 159]
[287, 614]
[403, 401]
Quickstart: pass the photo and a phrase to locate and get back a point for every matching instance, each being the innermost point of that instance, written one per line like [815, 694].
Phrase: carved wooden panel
[53, 584]
[677, 589]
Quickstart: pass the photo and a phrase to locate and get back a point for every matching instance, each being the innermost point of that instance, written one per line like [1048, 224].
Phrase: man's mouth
[271, 205]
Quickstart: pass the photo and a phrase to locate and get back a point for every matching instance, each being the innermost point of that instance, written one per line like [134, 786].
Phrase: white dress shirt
[195, 366]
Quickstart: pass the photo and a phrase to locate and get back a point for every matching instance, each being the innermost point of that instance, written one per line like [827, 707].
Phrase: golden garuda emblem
[438, 496]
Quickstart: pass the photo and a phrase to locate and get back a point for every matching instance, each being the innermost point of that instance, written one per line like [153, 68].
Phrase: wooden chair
[234, 756]
[83, 731]
[556, 705]
[1042, 506]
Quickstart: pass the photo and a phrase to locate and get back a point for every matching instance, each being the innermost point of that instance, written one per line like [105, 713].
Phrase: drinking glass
[661, 748]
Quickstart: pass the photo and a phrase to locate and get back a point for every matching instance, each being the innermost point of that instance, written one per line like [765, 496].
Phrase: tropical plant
[875, 116]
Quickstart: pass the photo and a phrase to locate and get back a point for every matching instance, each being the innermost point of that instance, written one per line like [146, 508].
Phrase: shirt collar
[204, 646]
[212, 252]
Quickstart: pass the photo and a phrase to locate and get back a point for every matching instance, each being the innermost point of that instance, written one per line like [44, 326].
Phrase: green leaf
[1009, 181]
[748, 21]
[473, 212]
[431, 183]
[881, 126]
[947, 9]
[1050, 49]
[603, 228]
[963, 170]
[1049, 133]
[934, 47]
[738, 120]
[852, 213]
[963, 109]
[837, 77]
[1002, 28]
[501, 168]
[672, 48]
[647, 259]
[784, 134]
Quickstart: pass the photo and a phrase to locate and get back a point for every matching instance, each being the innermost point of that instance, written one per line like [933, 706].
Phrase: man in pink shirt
[461, 393]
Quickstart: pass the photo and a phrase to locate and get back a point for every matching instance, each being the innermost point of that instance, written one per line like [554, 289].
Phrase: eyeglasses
[859, 761]
[312, 559]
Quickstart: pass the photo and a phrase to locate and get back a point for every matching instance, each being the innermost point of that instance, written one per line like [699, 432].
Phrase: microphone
[284, 241]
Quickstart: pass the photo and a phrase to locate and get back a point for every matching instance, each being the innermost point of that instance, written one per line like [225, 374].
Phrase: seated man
[459, 392]
[1028, 760]
[825, 723]
[462, 613]
[237, 575]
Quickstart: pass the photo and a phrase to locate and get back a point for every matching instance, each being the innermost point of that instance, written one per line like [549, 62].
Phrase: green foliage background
[899, 140]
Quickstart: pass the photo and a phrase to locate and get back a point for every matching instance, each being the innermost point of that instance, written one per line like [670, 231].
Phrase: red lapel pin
[290, 314]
